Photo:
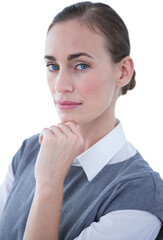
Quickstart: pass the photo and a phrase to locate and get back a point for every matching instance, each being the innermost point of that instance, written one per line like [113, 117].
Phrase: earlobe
[126, 67]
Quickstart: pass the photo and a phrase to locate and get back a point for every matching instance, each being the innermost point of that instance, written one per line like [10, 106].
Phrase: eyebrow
[70, 57]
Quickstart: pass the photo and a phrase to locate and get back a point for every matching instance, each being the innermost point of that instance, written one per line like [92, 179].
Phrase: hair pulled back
[99, 16]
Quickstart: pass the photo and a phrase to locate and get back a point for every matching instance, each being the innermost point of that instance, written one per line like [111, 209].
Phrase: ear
[126, 69]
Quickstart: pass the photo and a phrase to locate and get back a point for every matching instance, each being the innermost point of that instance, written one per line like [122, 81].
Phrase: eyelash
[49, 65]
[53, 70]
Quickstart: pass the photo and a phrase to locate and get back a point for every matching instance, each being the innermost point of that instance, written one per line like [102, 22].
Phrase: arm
[44, 217]
[124, 225]
[59, 146]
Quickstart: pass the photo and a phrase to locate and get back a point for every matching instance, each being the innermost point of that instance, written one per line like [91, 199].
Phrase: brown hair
[99, 16]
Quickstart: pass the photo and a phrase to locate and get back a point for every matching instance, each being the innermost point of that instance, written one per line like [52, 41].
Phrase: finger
[76, 133]
[56, 131]
[45, 133]
[73, 127]
[65, 129]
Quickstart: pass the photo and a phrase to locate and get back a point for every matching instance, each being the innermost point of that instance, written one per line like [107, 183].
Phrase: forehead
[72, 36]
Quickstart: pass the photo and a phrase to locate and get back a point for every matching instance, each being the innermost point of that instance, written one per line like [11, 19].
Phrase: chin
[76, 118]
[68, 119]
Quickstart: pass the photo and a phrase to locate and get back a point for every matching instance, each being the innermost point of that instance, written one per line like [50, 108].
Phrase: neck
[94, 130]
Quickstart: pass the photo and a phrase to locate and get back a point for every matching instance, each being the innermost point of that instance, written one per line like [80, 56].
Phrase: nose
[63, 82]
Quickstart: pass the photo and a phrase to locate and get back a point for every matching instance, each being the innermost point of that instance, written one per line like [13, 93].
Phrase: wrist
[48, 190]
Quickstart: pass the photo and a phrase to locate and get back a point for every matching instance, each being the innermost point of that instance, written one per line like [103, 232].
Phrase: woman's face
[80, 73]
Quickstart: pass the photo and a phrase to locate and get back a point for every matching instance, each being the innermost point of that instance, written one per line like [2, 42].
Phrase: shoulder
[138, 187]
[26, 153]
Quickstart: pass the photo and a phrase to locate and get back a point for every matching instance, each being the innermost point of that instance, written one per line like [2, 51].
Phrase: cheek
[96, 88]
[90, 87]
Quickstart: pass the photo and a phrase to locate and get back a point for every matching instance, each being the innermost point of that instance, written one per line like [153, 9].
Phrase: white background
[25, 102]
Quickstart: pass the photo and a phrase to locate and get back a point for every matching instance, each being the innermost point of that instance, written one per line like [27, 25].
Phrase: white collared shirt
[117, 225]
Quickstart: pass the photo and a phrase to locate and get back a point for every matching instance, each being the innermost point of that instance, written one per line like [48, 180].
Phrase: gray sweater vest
[130, 184]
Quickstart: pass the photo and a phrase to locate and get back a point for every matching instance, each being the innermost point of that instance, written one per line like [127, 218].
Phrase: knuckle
[54, 129]
[60, 125]
[44, 129]
[52, 126]
[44, 132]
[47, 136]
[81, 142]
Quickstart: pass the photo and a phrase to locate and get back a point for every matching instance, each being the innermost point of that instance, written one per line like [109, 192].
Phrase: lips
[66, 105]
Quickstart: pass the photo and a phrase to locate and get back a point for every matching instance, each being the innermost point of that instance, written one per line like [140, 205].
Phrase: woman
[82, 179]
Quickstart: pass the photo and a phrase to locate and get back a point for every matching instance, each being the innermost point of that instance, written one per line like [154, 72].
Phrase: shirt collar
[101, 153]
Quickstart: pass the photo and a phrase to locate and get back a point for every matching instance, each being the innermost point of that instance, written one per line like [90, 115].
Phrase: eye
[82, 66]
[52, 67]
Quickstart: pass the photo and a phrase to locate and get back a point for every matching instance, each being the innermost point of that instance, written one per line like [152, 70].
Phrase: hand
[60, 145]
